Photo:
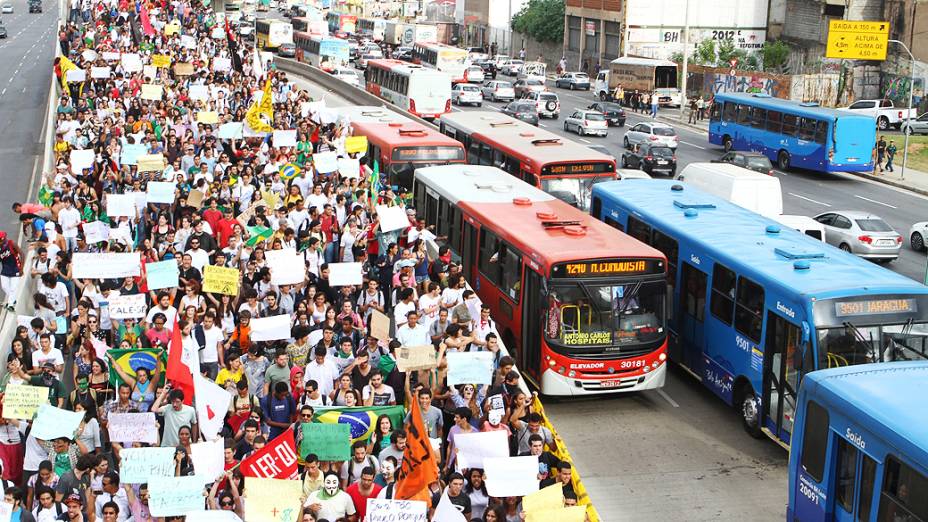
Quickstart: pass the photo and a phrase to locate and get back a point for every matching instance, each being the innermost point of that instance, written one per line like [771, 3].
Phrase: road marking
[667, 398]
[875, 201]
[693, 145]
[495, 108]
[810, 199]
[585, 140]
[541, 124]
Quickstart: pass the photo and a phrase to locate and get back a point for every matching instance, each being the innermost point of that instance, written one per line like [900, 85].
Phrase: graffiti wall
[707, 81]
[896, 88]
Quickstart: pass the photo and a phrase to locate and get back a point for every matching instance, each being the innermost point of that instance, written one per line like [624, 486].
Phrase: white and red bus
[452, 60]
[557, 165]
[399, 144]
[423, 92]
[324, 52]
[579, 304]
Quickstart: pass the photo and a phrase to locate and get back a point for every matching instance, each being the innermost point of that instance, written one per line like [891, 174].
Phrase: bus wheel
[727, 143]
[750, 411]
[783, 160]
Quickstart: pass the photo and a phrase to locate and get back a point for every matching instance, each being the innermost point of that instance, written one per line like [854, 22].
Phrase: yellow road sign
[856, 40]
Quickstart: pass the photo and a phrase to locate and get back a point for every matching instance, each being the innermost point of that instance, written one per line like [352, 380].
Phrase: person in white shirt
[69, 219]
[404, 305]
[163, 307]
[330, 503]
[412, 333]
[112, 493]
[47, 354]
[429, 305]
[211, 354]
[322, 370]
[198, 257]
[452, 296]
[349, 236]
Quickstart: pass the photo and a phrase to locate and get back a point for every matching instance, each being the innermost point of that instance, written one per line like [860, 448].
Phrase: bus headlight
[662, 357]
[646, 369]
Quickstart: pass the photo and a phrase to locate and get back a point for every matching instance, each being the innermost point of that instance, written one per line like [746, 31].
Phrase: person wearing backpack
[359, 460]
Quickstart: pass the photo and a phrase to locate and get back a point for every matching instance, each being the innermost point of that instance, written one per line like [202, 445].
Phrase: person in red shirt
[362, 490]
[224, 228]
[212, 215]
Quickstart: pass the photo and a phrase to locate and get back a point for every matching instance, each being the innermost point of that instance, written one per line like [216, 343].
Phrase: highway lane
[804, 192]
[26, 55]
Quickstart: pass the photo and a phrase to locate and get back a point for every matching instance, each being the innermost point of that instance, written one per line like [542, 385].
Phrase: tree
[543, 20]
[727, 52]
[704, 53]
[775, 56]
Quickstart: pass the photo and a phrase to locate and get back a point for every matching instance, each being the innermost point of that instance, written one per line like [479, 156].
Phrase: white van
[804, 224]
[751, 190]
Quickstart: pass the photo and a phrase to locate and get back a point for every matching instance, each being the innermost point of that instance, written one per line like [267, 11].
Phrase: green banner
[330, 442]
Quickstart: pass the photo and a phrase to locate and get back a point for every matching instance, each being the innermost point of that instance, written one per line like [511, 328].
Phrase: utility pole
[905, 147]
[686, 54]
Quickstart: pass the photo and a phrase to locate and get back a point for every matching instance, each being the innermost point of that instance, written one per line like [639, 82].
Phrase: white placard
[325, 162]
[222, 64]
[87, 265]
[343, 274]
[188, 41]
[270, 328]
[150, 72]
[130, 306]
[118, 205]
[76, 75]
[111, 56]
[470, 367]
[160, 192]
[132, 427]
[90, 55]
[100, 72]
[472, 448]
[445, 511]
[207, 458]
[96, 231]
[231, 130]
[386, 510]
[287, 266]
[199, 92]
[349, 168]
[132, 62]
[511, 476]
[392, 218]
[285, 138]
[218, 33]
[81, 159]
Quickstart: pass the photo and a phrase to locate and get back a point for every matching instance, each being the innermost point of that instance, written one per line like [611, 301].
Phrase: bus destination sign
[613, 267]
[566, 169]
[875, 307]
[428, 153]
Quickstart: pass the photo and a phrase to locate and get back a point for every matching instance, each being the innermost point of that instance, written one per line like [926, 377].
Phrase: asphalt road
[26, 55]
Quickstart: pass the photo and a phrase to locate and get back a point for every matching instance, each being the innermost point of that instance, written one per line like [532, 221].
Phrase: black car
[35, 6]
[651, 159]
[526, 111]
[750, 160]
[489, 68]
[614, 113]
[2, 31]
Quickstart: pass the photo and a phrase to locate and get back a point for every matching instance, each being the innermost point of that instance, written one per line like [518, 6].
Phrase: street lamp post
[908, 114]
[686, 38]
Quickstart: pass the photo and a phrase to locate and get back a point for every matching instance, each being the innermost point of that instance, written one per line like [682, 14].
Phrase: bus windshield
[611, 317]
[850, 344]
[574, 191]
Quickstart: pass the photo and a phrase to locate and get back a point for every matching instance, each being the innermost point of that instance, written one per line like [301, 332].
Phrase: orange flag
[419, 468]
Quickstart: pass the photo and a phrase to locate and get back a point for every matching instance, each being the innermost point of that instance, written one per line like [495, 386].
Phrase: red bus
[561, 167]
[579, 304]
[399, 144]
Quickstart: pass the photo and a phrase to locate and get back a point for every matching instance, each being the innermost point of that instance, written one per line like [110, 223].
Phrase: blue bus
[793, 134]
[860, 450]
[756, 305]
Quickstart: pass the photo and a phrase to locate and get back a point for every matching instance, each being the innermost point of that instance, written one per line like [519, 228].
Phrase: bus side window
[639, 230]
[790, 124]
[473, 152]
[730, 111]
[489, 256]
[596, 207]
[815, 441]
[668, 246]
[749, 318]
[846, 475]
[723, 293]
[511, 272]
[716, 112]
[454, 234]
[774, 121]
[904, 493]
[744, 114]
[807, 129]
[821, 130]
[614, 224]
[758, 118]
[486, 155]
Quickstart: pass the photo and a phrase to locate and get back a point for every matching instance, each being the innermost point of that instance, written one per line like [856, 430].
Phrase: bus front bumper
[553, 383]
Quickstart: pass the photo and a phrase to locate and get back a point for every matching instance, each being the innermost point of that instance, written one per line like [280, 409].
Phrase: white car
[463, 93]
[917, 126]
[918, 235]
[651, 132]
[371, 55]
[498, 90]
[347, 75]
[631, 174]
[511, 68]
[7, 8]
[585, 122]
[473, 74]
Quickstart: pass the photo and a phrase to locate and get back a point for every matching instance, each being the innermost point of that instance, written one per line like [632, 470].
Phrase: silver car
[511, 68]
[861, 233]
[918, 236]
[573, 80]
[586, 122]
[651, 132]
[917, 126]
[473, 74]
[498, 90]
[463, 93]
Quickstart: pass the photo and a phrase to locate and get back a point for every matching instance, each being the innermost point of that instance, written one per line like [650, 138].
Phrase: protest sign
[96, 231]
[386, 510]
[195, 198]
[152, 92]
[248, 213]
[183, 69]
[81, 159]
[349, 167]
[170, 29]
[100, 72]
[120, 205]
[130, 306]
[551, 497]
[132, 427]
[207, 457]
[380, 325]
[472, 448]
[231, 130]
[220, 280]
[561, 514]
[445, 511]
[90, 55]
[131, 152]
[161, 61]
[162, 274]
[325, 162]
[160, 192]
[21, 401]
[278, 459]
[198, 92]
[175, 496]
[150, 72]
[150, 163]
[328, 441]
[343, 274]
[470, 367]
[87, 265]
[111, 56]
[131, 62]
[284, 138]
[270, 328]
[354, 144]
[392, 218]
[138, 465]
[273, 500]
[76, 75]
[410, 358]
[208, 117]
[222, 64]
[51, 422]
[511, 476]
[287, 266]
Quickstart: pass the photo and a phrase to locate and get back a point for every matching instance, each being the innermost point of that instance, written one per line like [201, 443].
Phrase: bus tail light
[831, 154]
[448, 106]
[412, 105]
[865, 239]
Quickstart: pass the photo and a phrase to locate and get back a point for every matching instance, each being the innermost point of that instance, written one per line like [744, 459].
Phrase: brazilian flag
[258, 234]
[361, 420]
[131, 360]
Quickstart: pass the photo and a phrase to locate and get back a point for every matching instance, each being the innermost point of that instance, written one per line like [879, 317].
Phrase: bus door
[469, 250]
[530, 349]
[782, 360]
[854, 479]
[692, 318]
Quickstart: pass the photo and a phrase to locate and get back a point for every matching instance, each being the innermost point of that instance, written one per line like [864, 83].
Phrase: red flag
[178, 372]
[146, 22]
[419, 468]
[275, 460]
